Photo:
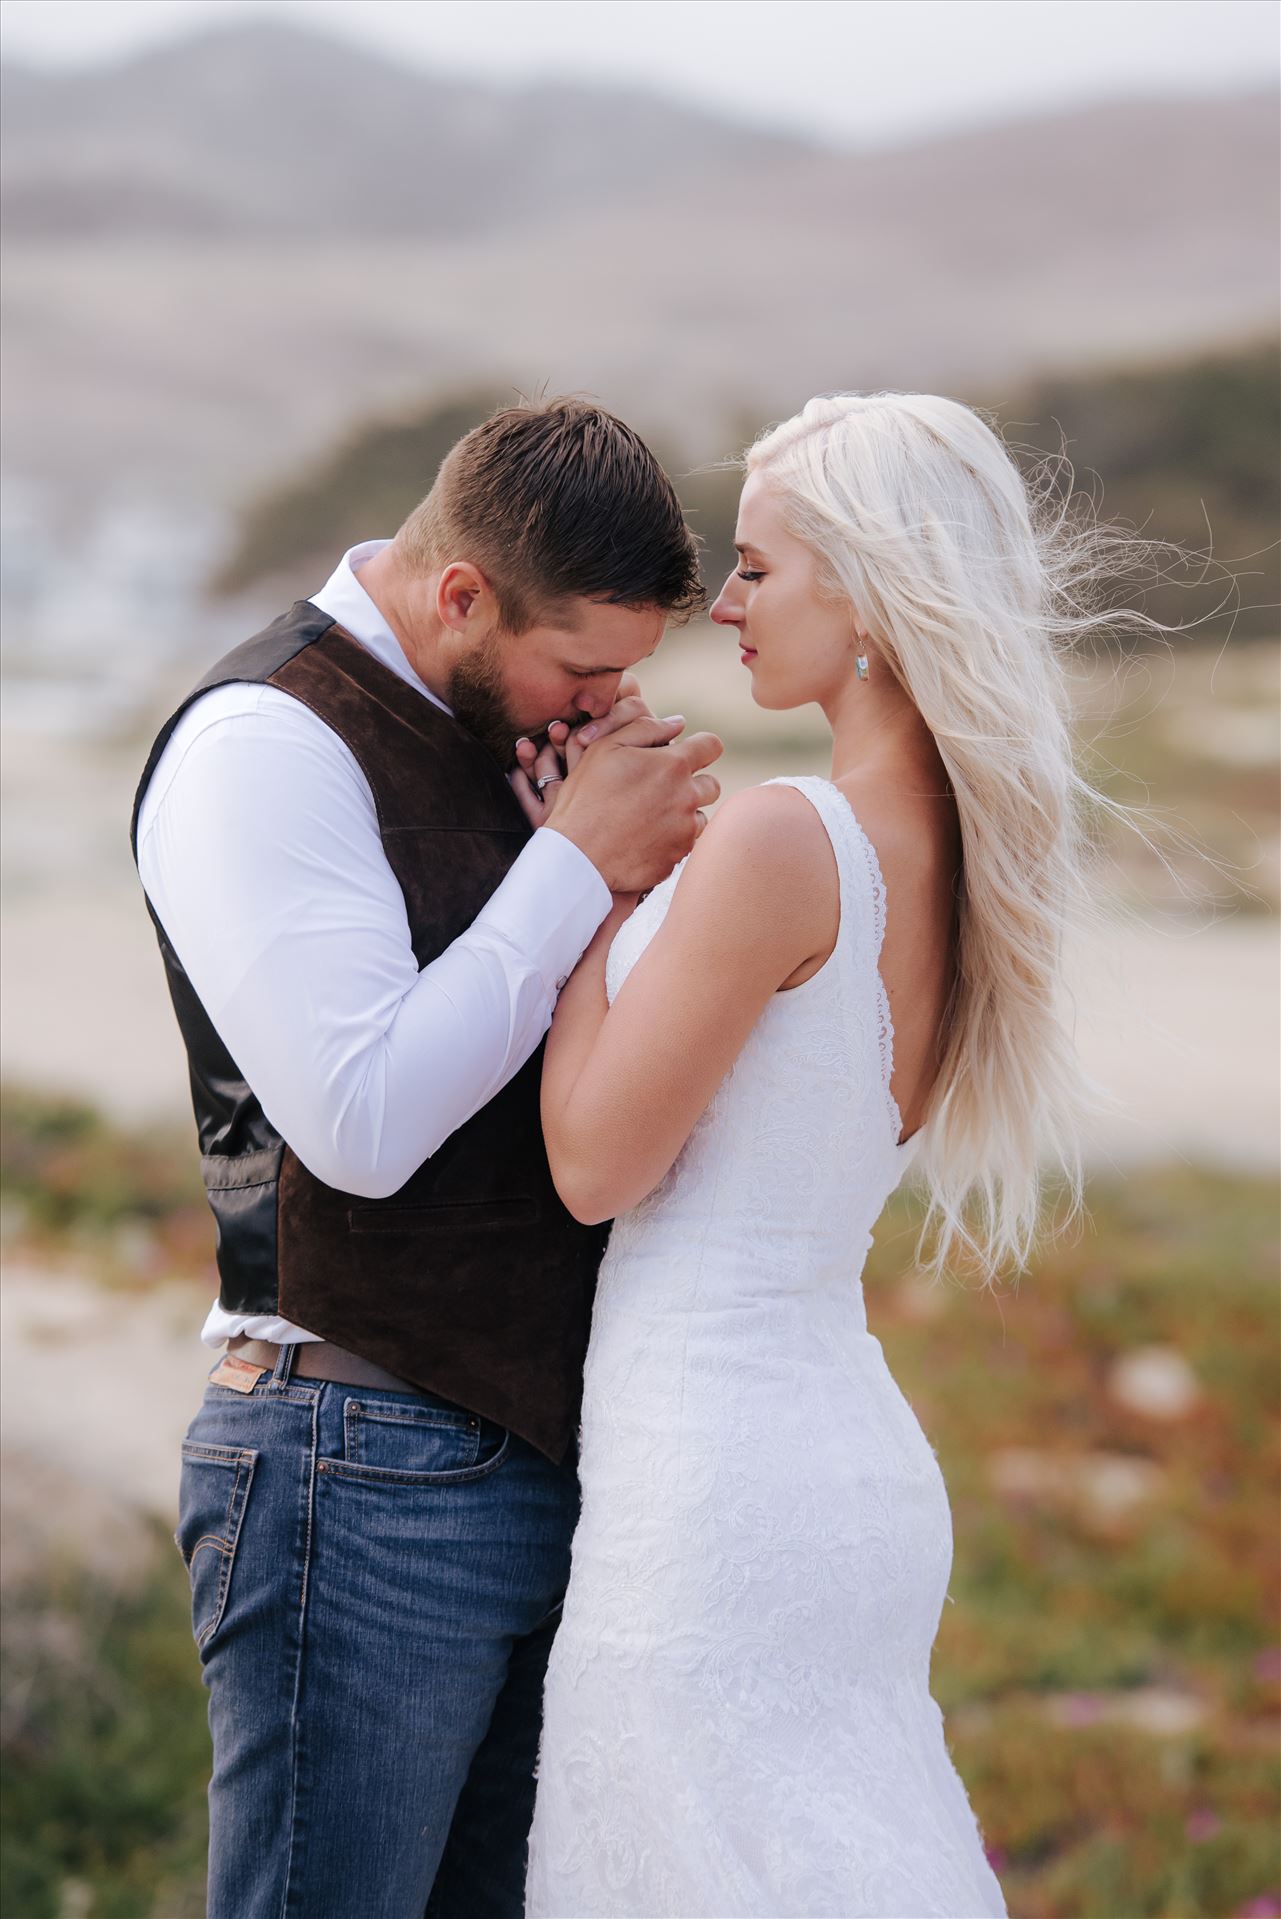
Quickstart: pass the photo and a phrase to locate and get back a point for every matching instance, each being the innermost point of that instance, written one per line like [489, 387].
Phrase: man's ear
[463, 595]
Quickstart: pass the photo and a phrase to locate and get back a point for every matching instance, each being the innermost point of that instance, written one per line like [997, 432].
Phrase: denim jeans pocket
[211, 1509]
[386, 1442]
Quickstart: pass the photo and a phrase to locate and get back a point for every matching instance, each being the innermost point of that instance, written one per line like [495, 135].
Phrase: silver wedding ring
[549, 779]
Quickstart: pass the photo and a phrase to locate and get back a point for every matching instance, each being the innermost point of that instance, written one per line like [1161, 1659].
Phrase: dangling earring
[860, 659]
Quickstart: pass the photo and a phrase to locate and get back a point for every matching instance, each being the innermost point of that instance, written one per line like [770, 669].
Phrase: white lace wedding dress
[737, 1716]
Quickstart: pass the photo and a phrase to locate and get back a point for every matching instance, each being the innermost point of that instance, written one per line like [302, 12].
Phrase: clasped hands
[634, 812]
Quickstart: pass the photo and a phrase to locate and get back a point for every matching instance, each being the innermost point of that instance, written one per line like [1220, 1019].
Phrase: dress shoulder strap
[862, 931]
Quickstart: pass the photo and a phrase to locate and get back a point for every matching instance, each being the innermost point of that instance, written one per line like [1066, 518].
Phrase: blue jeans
[376, 1579]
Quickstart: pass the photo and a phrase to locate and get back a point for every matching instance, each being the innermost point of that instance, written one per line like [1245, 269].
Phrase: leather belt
[319, 1359]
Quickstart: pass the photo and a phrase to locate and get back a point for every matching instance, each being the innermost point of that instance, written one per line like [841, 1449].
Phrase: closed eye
[744, 573]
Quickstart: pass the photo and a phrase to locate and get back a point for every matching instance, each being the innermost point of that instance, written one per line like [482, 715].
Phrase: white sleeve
[259, 850]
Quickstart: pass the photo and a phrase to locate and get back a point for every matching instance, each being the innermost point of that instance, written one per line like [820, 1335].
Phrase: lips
[746, 653]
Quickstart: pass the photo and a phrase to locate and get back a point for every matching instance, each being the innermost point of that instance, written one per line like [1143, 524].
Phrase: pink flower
[1080, 1708]
[1202, 1824]
[1266, 1906]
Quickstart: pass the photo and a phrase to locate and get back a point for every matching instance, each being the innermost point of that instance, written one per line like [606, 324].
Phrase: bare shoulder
[773, 830]
[766, 854]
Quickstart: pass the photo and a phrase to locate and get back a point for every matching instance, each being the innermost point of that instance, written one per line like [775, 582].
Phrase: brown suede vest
[472, 1281]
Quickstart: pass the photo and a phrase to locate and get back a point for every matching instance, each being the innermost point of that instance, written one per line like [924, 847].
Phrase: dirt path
[97, 1387]
[1182, 1025]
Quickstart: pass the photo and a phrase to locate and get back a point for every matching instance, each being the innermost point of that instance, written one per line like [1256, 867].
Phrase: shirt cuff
[548, 907]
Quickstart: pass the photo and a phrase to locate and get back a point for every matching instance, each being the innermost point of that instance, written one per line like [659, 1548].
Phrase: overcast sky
[850, 70]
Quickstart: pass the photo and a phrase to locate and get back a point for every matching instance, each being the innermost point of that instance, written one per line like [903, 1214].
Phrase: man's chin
[487, 722]
[476, 694]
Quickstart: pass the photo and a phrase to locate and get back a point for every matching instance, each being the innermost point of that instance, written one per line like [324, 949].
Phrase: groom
[363, 943]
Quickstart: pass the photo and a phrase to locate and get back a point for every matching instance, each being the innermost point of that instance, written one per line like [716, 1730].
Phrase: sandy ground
[96, 1390]
[1178, 1015]
[1180, 1023]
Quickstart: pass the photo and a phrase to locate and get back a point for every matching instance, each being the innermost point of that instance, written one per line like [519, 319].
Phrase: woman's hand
[540, 773]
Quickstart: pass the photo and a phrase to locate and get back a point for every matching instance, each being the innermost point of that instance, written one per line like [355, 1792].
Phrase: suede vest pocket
[211, 1510]
[448, 1216]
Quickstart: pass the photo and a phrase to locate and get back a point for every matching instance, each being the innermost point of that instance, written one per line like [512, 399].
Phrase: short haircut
[557, 499]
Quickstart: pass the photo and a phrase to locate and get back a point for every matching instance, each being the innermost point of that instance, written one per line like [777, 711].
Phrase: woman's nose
[724, 612]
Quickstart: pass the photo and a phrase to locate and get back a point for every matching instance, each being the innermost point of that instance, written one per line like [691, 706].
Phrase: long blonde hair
[971, 584]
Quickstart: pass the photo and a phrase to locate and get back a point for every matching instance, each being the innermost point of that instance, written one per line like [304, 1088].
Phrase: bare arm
[623, 1086]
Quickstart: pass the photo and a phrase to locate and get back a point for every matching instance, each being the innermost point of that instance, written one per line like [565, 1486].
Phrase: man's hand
[570, 742]
[633, 810]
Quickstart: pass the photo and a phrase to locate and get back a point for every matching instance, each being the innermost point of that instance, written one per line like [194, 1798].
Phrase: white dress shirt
[259, 849]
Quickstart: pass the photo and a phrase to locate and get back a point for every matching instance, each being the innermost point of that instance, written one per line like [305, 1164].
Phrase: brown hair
[557, 499]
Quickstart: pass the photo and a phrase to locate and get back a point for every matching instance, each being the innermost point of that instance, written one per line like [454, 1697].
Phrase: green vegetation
[1186, 452]
[382, 468]
[365, 487]
[1108, 1663]
[1142, 1595]
[130, 1202]
[105, 1750]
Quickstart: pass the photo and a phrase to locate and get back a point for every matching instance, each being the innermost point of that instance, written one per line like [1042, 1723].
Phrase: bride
[848, 977]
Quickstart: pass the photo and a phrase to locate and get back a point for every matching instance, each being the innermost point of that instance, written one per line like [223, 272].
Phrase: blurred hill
[222, 252]
[258, 130]
[1186, 451]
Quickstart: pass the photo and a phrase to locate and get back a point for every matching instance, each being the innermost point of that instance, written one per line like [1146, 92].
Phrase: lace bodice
[792, 1162]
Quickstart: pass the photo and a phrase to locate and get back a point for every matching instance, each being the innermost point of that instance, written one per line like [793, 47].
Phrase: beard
[476, 691]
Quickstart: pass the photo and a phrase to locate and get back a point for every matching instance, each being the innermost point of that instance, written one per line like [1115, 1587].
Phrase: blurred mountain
[221, 253]
[267, 130]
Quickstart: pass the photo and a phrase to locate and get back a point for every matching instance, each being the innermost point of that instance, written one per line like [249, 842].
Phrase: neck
[407, 601]
[877, 729]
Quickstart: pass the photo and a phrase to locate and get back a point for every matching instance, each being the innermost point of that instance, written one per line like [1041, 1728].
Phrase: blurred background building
[263, 263]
